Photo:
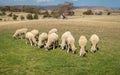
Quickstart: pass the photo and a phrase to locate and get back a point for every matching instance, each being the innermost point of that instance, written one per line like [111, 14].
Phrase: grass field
[17, 58]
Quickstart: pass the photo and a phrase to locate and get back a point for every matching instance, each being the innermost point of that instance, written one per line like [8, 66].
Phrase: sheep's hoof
[46, 49]
[74, 52]
[93, 51]
[67, 51]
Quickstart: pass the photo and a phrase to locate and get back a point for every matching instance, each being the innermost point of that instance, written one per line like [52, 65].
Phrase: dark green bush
[88, 12]
[10, 15]
[22, 18]
[29, 17]
[108, 13]
[15, 17]
[35, 16]
[0, 19]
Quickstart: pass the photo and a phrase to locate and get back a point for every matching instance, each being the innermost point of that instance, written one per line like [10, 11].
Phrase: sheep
[52, 41]
[20, 32]
[30, 38]
[70, 44]
[94, 39]
[42, 37]
[35, 32]
[54, 30]
[64, 39]
[82, 43]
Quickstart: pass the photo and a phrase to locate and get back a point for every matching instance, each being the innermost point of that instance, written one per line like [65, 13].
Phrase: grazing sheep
[35, 32]
[30, 38]
[20, 32]
[70, 43]
[52, 41]
[94, 39]
[54, 30]
[64, 39]
[82, 44]
[42, 38]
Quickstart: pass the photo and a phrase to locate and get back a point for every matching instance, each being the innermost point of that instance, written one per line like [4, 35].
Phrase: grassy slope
[17, 58]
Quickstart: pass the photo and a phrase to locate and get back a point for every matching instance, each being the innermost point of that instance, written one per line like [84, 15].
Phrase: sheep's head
[82, 53]
[93, 49]
[46, 48]
[40, 45]
[14, 36]
[74, 50]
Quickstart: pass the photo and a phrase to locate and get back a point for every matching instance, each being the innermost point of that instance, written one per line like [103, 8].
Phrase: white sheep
[35, 32]
[64, 39]
[94, 39]
[20, 32]
[42, 38]
[52, 41]
[82, 43]
[30, 38]
[54, 30]
[70, 43]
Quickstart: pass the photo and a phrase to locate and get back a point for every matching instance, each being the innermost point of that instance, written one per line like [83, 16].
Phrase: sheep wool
[82, 44]
[42, 38]
[94, 39]
[52, 41]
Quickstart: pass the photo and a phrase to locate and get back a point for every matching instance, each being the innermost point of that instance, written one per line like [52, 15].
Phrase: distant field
[17, 58]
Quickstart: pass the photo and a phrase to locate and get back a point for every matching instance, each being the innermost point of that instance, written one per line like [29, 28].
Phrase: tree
[46, 14]
[0, 19]
[65, 7]
[22, 18]
[108, 13]
[15, 17]
[88, 12]
[55, 14]
[10, 15]
[29, 17]
[35, 16]
[3, 13]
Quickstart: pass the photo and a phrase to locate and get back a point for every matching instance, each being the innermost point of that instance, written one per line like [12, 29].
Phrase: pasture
[17, 58]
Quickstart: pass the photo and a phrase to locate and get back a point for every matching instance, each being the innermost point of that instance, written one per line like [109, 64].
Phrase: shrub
[108, 13]
[15, 17]
[99, 13]
[46, 14]
[88, 12]
[22, 18]
[10, 15]
[29, 17]
[0, 19]
[35, 16]
[3, 13]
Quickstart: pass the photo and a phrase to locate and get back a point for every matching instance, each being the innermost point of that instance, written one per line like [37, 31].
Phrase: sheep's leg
[30, 42]
[54, 46]
[68, 49]
[27, 41]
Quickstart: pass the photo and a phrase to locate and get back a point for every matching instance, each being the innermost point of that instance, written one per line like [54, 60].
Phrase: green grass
[17, 58]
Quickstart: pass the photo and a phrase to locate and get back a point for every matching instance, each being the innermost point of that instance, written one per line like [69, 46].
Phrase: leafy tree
[46, 14]
[3, 13]
[35, 16]
[65, 7]
[88, 12]
[29, 17]
[22, 17]
[15, 17]
[108, 13]
[0, 19]
[10, 15]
